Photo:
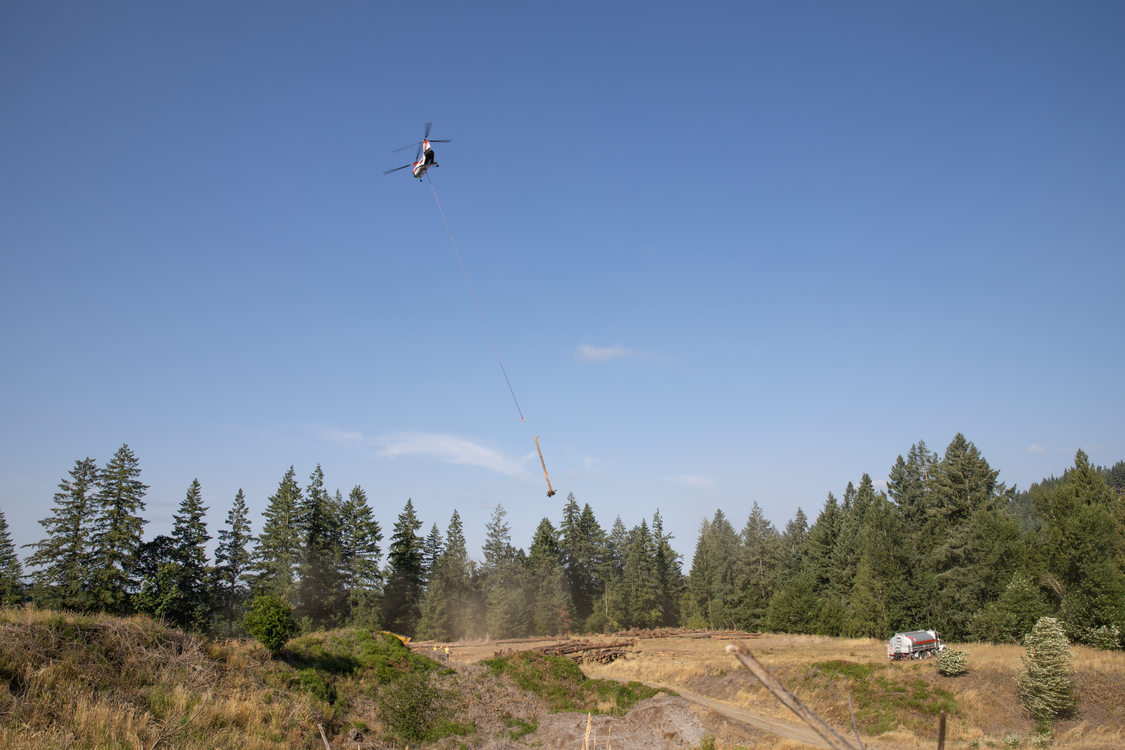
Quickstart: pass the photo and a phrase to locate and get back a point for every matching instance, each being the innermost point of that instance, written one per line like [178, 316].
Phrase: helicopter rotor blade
[428, 126]
[441, 140]
[418, 155]
[404, 166]
[403, 148]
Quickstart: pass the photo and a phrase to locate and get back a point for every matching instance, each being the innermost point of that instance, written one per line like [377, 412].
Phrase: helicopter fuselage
[425, 162]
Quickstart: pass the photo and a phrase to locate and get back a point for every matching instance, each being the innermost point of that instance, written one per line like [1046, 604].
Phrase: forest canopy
[945, 546]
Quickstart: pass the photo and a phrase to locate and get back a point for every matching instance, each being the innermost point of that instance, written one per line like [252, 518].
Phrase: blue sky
[728, 252]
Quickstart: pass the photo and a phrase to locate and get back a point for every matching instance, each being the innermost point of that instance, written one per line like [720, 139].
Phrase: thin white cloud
[692, 480]
[590, 353]
[450, 449]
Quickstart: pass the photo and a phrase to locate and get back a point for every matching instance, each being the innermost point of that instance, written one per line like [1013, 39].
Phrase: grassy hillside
[95, 681]
[104, 682]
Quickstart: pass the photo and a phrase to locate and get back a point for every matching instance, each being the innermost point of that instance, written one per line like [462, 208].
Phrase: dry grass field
[898, 699]
[98, 682]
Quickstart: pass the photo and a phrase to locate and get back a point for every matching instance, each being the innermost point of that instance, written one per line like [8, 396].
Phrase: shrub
[952, 663]
[1107, 637]
[1046, 688]
[270, 620]
[412, 706]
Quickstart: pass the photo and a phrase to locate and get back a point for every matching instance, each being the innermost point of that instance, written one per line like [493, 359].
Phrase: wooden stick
[792, 702]
[323, 737]
[941, 732]
[550, 491]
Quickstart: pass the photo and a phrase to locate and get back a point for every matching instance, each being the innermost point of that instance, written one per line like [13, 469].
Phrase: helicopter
[424, 158]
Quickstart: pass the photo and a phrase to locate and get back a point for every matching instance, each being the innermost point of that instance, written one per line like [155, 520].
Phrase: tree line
[945, 546]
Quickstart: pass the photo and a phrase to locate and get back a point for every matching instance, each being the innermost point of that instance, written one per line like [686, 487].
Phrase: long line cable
[480, 311]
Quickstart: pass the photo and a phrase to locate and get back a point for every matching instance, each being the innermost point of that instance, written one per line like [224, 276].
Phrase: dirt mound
[660, 722]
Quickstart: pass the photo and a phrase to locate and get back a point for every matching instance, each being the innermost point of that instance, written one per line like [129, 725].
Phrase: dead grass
[987, 706]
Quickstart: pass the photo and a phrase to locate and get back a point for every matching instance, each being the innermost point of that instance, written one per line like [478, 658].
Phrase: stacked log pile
[585, 651]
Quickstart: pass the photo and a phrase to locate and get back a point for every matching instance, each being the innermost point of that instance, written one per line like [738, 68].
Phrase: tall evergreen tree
[118, 530]
[909, 483]
[194, 576]
[669, 575]
[711, 599]
[505, 584]
[1081, 541]
[320, 591]
[157, 569]
[792, 547]
[11, 572]
[449, 609]
[278, 551]
[583, 548]
[431, 549]
[809, 601]
[877, 589]
[360, 535]
[966, 566]
[232, 561]
[405, 574]
[63, 561]
[639, 583]
[758, 569]
[549, 605]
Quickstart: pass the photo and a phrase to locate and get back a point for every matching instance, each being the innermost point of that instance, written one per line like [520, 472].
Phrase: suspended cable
[480, 311]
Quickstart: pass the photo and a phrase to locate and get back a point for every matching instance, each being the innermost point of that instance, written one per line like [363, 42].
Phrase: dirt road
[797, 732]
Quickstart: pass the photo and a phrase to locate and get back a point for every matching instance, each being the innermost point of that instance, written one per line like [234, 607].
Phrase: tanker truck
[917, 644]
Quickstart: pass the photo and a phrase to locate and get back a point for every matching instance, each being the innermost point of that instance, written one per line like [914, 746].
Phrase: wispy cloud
[692, 480]
[449, 449]
[590, 353]
[1036, 449]
[586, 352]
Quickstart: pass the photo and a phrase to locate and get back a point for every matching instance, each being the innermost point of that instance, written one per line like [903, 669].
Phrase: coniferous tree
[909, 484]
[1046, 686]
[431, 549]
[877, 589]
[975, 540]
[405, 574]
[669, 576]
[759, 569]
[360, 535]
[449, 610]
[117, 531]
[504, 581]
[11, 572]
[232, 561]
[712, 585]
[278, 551]
[550, 607]
[156, 568]
[194, 576]
[63, 561]
[1012, 615]
[583, 549]
[320, 591]
[640, 587]
[1081, 541]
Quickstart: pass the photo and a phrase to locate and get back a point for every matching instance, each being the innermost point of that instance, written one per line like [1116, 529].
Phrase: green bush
[270, 620]
[1046, 688]
[952, 663]
[1107, 637]
[414, 709]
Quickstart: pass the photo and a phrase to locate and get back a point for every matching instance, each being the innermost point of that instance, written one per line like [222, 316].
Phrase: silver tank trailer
[916, 644]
